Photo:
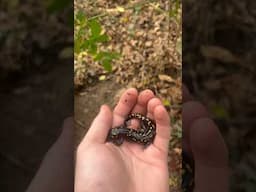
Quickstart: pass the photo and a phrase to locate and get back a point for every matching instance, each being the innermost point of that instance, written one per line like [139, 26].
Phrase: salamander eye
[114, 132]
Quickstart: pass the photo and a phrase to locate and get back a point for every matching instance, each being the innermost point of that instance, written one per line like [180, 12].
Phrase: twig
[79, 123]
[159, 9]
[126, 8]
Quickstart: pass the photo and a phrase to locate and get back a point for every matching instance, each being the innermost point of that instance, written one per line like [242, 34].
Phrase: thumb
[211, 157]
[100, 126]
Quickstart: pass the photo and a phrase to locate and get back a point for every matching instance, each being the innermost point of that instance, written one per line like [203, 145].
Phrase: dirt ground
[88, 102]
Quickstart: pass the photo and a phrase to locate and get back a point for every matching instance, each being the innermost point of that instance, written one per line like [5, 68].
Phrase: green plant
[88, 37]
[175, 6]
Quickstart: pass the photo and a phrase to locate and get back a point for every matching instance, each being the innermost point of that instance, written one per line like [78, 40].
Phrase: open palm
[102, 166]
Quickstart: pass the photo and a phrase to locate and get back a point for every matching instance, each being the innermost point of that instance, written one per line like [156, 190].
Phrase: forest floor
[218, 66]
[147, 36]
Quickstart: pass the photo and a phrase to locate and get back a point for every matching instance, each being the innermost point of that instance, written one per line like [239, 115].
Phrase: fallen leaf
[102, 77]
[219, 53]
[166, 78]
[120, 9]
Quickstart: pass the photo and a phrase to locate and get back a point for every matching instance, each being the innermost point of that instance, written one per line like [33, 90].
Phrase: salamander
[144, 135]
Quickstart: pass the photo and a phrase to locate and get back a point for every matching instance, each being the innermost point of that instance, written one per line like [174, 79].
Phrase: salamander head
[114, 133]
[117, 132]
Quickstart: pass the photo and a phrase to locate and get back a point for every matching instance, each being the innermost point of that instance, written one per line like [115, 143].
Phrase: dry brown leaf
[166, 78]
[219, 53]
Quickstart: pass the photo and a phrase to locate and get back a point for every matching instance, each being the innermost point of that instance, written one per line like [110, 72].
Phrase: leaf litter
[148, 38]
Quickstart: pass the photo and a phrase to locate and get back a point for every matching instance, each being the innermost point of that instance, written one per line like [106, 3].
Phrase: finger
[140, 107]
[124, 106]
[152, 104]
[100, 126]
[142, 103]
[191, 111]
[163, 129]
[210, 156]
[143, 99]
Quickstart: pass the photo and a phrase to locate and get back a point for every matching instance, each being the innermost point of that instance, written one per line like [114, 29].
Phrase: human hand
[204, 144]
[57, 163]
[103, 166]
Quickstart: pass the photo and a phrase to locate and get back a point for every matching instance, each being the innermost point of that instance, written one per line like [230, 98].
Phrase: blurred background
[219, 56]
[36, 84]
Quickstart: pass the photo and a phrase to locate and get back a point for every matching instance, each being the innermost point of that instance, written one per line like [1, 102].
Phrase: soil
[88, 102]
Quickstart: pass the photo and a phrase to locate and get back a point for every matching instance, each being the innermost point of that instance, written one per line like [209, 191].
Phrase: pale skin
[203, 142]
[102, 166]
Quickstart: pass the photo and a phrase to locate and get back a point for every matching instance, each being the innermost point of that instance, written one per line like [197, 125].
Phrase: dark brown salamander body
[144, 135]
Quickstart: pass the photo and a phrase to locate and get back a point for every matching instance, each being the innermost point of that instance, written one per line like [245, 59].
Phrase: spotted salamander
[144, 135]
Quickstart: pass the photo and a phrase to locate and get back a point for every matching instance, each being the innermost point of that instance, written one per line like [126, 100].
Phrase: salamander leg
[118, 141]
